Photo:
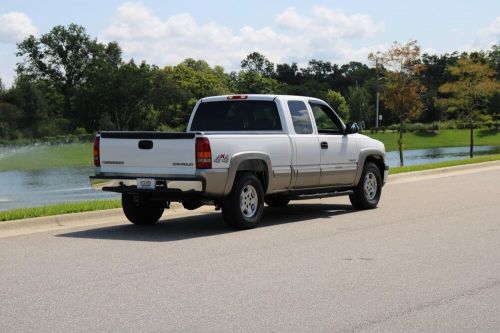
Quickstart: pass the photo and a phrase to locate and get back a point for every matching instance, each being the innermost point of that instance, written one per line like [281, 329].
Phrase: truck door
[339, 153]
[306, 162]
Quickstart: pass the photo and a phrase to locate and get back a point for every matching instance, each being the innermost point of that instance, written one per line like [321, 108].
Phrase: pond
[42, 187]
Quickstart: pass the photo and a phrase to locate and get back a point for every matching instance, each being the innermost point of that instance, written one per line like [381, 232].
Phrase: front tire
[367, 192]
[243, 207]
[140, 210]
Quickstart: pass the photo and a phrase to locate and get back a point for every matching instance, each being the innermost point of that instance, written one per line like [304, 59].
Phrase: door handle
[324, 145]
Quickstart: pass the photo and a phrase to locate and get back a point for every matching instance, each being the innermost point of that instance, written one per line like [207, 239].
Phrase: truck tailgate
[147, 153]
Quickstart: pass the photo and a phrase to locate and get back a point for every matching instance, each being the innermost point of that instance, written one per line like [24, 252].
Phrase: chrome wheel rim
[370, 186]
[249, 201]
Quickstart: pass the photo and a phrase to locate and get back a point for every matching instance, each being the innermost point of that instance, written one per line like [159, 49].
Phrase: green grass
[46, 157]
[443, 138]
[420, 167]
[57, 209]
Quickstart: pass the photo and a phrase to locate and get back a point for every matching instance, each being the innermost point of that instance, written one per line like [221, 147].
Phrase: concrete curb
[38, 224]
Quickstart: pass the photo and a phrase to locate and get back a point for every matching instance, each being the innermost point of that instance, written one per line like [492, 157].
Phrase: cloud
[490, 35]
[323, 32]
[15, 26]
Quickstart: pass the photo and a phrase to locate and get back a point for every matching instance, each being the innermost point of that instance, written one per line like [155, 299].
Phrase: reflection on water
[42, 187]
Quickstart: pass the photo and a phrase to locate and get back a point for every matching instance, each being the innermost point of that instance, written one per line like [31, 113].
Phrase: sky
[224, 32]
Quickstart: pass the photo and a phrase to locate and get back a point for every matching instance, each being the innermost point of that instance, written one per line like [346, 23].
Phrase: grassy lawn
[444, 138]
[46, 157]
[64, 208]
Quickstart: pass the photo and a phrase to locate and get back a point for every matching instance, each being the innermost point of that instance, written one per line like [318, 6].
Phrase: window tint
[300, 117]
[326, 120]
[237, 116]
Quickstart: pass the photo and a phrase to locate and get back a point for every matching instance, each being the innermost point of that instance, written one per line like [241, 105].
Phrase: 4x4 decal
[224, 158]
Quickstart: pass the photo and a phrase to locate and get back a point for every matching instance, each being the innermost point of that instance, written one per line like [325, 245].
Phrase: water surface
[43, 187]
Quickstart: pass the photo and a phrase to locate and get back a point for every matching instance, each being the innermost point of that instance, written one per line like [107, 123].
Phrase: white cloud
[323, 32]
[15, 26]
[490, 35]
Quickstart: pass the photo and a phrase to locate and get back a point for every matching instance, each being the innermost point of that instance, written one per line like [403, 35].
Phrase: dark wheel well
[379, 162]
[258, 168]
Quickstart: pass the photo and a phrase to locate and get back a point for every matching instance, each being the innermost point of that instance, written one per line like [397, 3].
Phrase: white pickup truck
[238, 152]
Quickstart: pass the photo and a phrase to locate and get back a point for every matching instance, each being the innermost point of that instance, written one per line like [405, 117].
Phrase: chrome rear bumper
[124, 184]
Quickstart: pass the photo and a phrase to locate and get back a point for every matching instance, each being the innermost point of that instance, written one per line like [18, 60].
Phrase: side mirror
[352, 128]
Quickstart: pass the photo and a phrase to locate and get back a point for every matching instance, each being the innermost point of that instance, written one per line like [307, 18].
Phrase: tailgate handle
[145, 144]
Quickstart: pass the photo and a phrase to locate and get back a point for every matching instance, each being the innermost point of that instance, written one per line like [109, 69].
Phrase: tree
[250, 82]
[198, 78]
[338, 103]
[62, 56]
[258, 63]
[403, 91]
[358, 100]
[130, 94]
[468, 94]
[433, 75]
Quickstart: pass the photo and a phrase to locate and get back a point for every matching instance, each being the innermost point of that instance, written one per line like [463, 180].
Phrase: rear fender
[249, 161]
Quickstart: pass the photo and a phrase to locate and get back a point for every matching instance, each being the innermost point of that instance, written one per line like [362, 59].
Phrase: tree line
[69, 82]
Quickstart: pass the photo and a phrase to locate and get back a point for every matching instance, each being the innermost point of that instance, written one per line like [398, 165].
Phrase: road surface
[427, 260]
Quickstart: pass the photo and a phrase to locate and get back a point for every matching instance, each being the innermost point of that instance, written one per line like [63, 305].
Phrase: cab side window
[327, 121]
[300, 117]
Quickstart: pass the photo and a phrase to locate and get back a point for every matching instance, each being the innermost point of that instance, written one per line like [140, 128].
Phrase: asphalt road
[427, 260]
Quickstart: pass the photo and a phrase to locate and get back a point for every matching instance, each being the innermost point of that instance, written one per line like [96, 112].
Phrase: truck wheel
[140, 210]
[243, 207]
[277, 201]
[367, 192]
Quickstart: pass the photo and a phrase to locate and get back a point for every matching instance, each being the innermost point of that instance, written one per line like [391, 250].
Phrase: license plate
[146, 183]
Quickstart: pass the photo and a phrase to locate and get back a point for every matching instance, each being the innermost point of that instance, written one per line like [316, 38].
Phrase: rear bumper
[129, 184]
[207, 183]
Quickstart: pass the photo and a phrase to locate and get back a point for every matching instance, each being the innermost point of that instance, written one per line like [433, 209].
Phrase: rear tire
[140, 210]
[243, 207]
[277, 200]
[367, 192]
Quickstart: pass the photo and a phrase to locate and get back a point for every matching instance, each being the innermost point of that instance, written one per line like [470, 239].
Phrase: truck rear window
[237, 116]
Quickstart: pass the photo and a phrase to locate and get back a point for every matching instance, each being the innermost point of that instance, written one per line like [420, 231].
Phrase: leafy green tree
[358, 99]
[130, 94]
[63, 57]
[30, 99]
[253, 83]
[338, 103]
[432, 75]
[171, 101]
[259, 64]
[288, 74]
[403, 91]
[198, 78]
[467, 95]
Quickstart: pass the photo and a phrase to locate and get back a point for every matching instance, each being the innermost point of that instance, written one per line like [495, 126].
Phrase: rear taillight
[203, 154]
[97, 157]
